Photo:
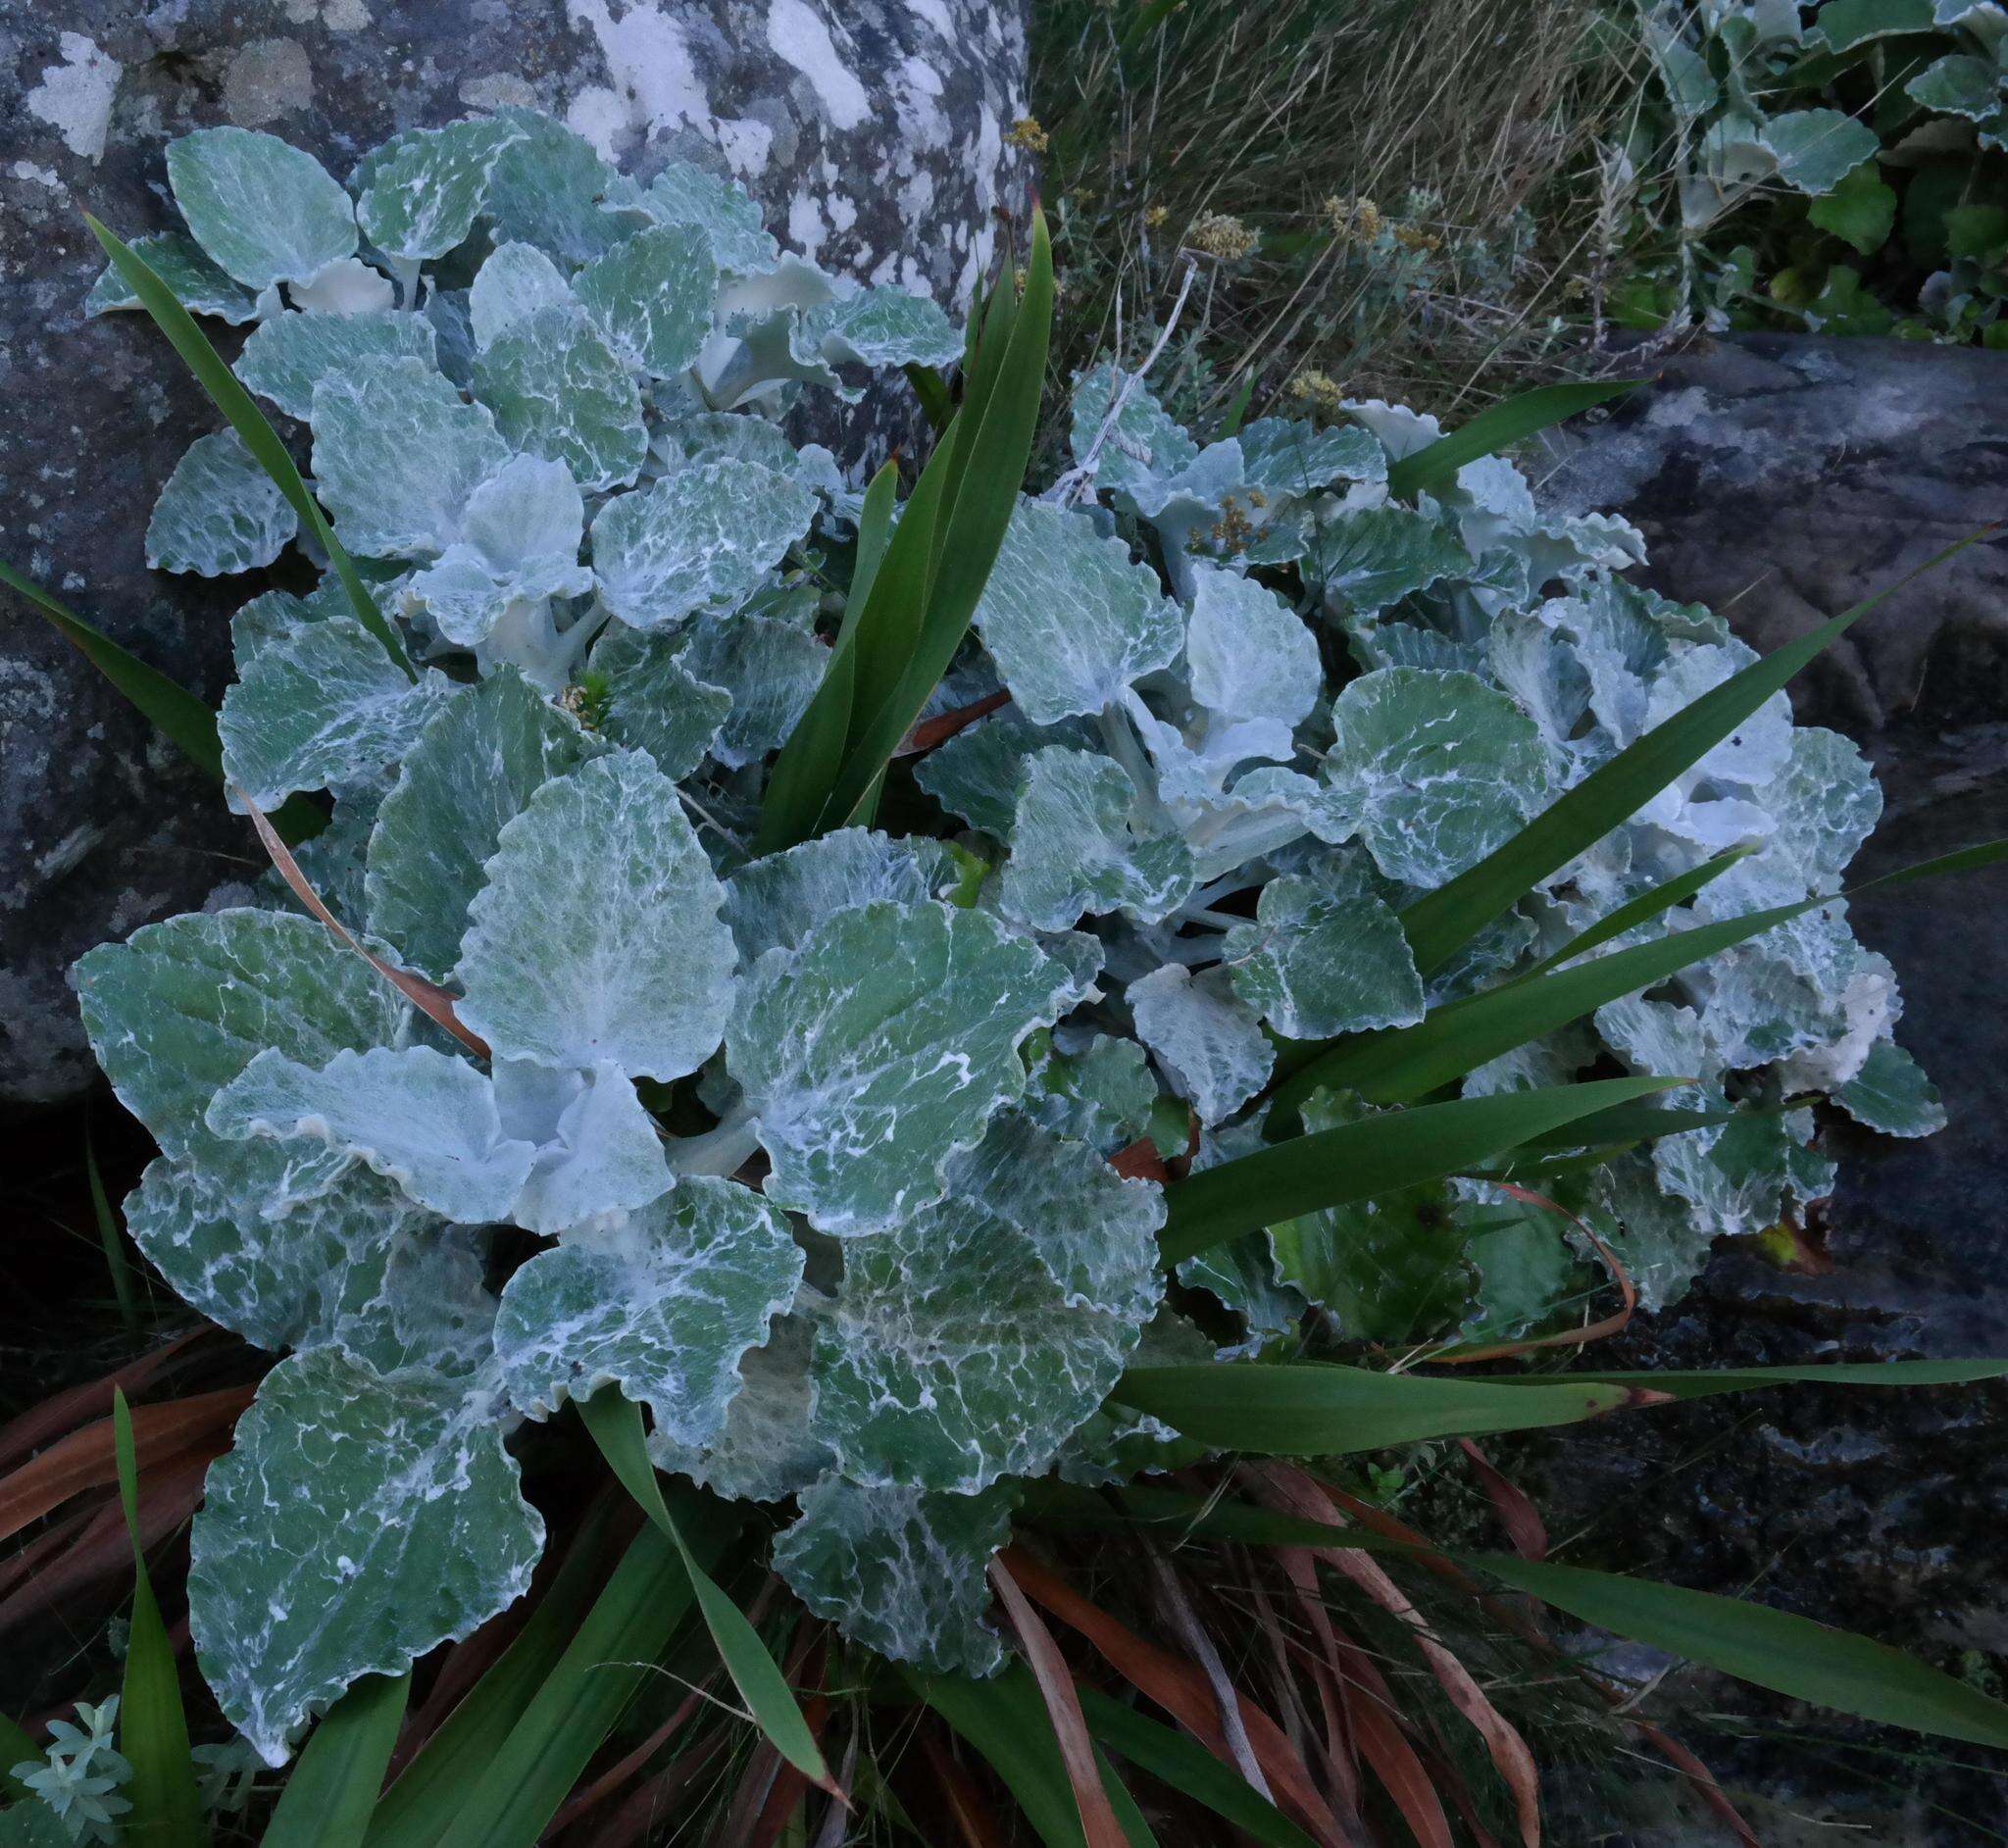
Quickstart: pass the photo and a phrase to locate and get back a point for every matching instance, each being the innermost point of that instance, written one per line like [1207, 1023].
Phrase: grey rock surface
[1781, 478]
[873, 131]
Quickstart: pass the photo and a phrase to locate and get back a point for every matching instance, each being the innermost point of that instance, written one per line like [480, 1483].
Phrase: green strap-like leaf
[430, 1790]
[1405, 1062]
[970, 533]
[1706, 1384]
[1378, 1154]
[1005, 1719]
[510, 1802]
[1442, 922]
[1181, 1760]
[1634, 912]
[189, 724]
[153, 1727]
[808, 763]
[1316, 1410]
[1497, 428]
[330, 1793]
[616, 1426]
[1790, 1655]
[247, 420]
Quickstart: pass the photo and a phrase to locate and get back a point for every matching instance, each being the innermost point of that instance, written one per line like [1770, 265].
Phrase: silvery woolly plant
[840, 1148]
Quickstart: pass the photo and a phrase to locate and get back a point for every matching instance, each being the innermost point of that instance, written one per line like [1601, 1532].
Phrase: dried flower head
[1355, 219]
[1155, 215]
[1218, 235]
[1027, 134]
[1414, 237]
[1318, 392]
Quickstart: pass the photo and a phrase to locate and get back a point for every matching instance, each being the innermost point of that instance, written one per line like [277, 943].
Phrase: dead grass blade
[86, 1459]
[42, 1424]
[1522, 1520]
[1063, 1706]
[427, 997]
[967, 1808]
[1293, 1492]
[1182, 1690]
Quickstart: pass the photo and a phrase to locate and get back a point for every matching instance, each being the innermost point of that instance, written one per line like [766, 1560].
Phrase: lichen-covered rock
[873, 134]
[1781, 478]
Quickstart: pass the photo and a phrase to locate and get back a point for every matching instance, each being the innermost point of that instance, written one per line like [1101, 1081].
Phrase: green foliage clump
[840, 1147]
[1839, 167]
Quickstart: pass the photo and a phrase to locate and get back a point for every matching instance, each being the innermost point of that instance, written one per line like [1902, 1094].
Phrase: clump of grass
[1398, 200]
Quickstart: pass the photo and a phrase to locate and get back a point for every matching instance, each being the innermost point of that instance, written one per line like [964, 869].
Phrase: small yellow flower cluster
[1216, 234]
[1155, 215]
[1357, 218]
[1027, 134]
[1414, 237]
[1318, 392]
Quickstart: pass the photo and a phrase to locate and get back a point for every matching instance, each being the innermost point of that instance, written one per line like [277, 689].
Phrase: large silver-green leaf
[663, 1307]
[900, 1571]
[549, 187]
[417, 1117]
[778, 900]
[1078, 844]
[702, 539]
[1892, 1094]
[769, 669]
[878, 1047]
[654, 703]
[179, 262]
[397, 456]
[764, 1449]
[1100, 1092]
[1206, 1038]
[600, 1154]
[474, 766]
[729, 219]
[1325, 955]
[265, 210]
[360, 1268]
[178, 1009]
[968, 1343]
[288, 356]
[598, 936]
[1282, 457]
[558, 390]
[1070, 618]
[328, 706]
[421, 190]
[1439, 766]
[219, 512]
[651, 297]
[1248, 654]
[1375, 556]
[876, 327]
[512, 286]
[358, 1522]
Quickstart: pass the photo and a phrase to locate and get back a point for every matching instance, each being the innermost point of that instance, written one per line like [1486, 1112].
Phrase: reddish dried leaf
[930, 732]
[85, 1460]
[1521, 1519]
[967, 1808]
[43, 1423]
[1182, 1690]
[1063, 1705]
[1140, 1161]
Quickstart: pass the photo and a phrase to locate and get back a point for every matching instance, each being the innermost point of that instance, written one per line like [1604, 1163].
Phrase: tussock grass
[1424, 180]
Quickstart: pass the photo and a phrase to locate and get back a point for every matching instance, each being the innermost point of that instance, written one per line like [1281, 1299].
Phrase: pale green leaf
[1206, 1038]
[1324, 956]
[474, 768]
[900, 1571]
[420, 192]
[558, 390]
[764, 1449]
[703, 537]
[329, 706]
[219, 512]
[663, 1307]
[549, 187]
[357, 1523]
[768, 668]
[778, 900]
[598, 936]
[652, 296]
[265, 210]
[180, 1008]
[655, 703]
[878, 1047]
[1079, 845]
[1440, 768]
[1071, 621]
[288, 356]
[199, 285]
[1248, 655]
[417, 1117]
[599, 1155]
[1371, 556]
[512, 286]
[397, 456]
[730, 221]
[1893, 1095]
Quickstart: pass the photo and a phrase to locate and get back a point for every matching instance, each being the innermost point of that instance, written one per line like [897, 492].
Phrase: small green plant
[1837, 166]
[944, 1004]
